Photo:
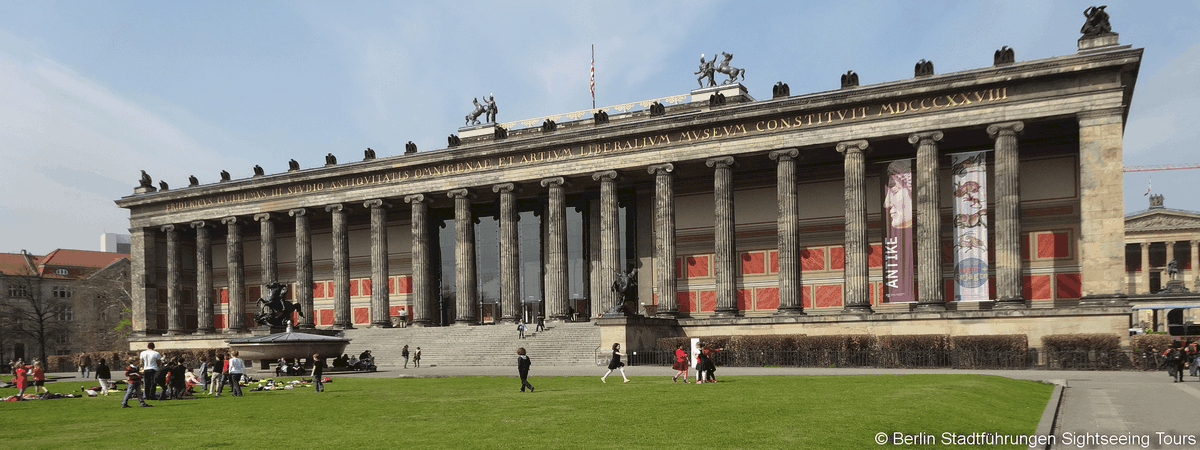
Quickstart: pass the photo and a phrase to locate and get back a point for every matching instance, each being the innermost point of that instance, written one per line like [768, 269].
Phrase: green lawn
[564, 412]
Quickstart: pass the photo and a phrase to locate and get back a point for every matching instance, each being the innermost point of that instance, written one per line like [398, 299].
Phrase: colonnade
[425, 287]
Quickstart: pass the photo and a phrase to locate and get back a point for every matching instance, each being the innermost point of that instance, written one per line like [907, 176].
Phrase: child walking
[523, 364]
[318, 370]
[615, 363]
[681, 364]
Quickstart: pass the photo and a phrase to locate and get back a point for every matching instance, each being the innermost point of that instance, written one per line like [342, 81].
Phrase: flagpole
[593, 76]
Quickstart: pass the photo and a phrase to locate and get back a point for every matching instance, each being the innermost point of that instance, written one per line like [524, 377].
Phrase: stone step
[561, 344]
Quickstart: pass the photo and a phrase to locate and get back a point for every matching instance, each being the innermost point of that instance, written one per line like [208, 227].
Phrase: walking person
[403, 317]
[150, 361]
[134, 382]
[523, 364]
[86, 365]
[223, 379]
[404, 354]
[615, 363]
[417, 358]
[104, 376]
[521, 329]
[681, 364]
[319, 369]
[702, 362]
[541, 323]
[236, 368]
[1192, 353]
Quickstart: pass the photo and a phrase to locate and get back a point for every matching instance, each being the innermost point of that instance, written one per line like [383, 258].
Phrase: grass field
[564, 412]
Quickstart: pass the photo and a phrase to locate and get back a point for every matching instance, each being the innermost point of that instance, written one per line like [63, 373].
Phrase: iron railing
[920, 359]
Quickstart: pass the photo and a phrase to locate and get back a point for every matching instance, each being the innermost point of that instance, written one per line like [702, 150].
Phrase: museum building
[985, 201]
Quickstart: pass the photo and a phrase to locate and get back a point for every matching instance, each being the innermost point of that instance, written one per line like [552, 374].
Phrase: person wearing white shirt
[150, 360]
[236, 368]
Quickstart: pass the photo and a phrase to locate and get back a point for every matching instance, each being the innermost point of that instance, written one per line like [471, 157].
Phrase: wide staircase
[560, 344]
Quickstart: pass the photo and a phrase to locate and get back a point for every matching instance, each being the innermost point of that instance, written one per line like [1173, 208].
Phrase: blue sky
[92, 92]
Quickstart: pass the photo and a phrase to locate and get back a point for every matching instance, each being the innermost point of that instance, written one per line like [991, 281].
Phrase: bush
[1005, 351]
[1084, 351]
[995, 343]
[1154, 343]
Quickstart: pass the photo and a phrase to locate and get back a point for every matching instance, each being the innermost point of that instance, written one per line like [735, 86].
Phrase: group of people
[522, 327]
[1178, 357]
[144, 374]
[26, 375]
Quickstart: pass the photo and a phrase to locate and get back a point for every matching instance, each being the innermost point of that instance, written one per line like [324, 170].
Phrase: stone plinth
[487, 129]
[1094, 42]
[733, 92]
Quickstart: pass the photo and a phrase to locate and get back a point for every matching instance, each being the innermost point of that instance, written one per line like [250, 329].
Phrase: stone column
[380, 300]
[304, 272]
[268, 257]
[510, 254]
[1008, 214]
[1196, 265]
[422, 296]
[857, 295]
[235, 321]
[787, 225]
[1102, 207]
[342, 315]
[1170, 247]
[556, 250]
[174, 292]
[664, 239]
[610, 238]
[143, 283]
[1145, 279]
[725, 259]
[466, 292]
[204, 284]
[930, 296]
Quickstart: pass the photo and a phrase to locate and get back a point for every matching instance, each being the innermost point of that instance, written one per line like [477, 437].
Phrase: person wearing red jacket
[134, 379]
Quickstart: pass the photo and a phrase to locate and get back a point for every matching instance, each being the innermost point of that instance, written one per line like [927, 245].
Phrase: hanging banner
[898, 250]
[970, 226]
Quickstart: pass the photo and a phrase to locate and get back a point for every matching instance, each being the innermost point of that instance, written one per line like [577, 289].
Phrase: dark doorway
[1155, 282]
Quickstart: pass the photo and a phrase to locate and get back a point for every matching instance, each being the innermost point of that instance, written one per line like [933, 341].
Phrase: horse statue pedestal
[486, 129]
[733, 92]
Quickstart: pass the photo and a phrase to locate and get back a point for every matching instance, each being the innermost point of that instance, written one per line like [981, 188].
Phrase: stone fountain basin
[288, 345]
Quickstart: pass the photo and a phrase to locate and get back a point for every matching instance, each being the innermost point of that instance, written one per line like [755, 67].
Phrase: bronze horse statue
[274, 310]
[727, 69]
[474, 115]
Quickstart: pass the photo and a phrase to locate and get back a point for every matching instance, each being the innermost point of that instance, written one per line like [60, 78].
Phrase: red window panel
[686, 301]
[752, 264]
[766, 298]
[806, 296]
[875, 255]
[949, 289]
[219, 321]
[395, 310]
[678, 272]
[1053, 245]
[254, 293]
[812, 259]
[774, 261]
[224, 295]
[1025, 246]
[354, 288]
[326, 316]
[697, 266]
[744, 300]
[362, 315]
[829, 296]
[366, 287]
[319, 290]
[837, 258]
[1040, 287]
[291, 292]
[708, 301]
[1068, 285]
[406, 285]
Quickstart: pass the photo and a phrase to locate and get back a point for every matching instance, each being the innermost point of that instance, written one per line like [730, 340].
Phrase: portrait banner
[898, 250]
[969, 178]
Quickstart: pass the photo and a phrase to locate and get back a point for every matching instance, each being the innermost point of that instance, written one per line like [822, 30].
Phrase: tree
[36, 313]
[102, 309]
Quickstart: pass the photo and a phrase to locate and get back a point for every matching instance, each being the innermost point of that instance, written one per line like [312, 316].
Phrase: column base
[387, 324]
[790, 311]
[341, 326]
[306, 326]
[667, 314]
[723, 313]
[858, 309]
[464, 322]
[1104, 300]
[203, 332]
[175, 333]
[929, 306]
[422, 323]
[1010, 303]
[510, 319]
[559, 318]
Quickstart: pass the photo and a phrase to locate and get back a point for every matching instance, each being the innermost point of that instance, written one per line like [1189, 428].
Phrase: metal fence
[916, 359]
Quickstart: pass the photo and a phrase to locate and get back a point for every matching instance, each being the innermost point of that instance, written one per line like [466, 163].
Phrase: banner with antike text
[898, 271]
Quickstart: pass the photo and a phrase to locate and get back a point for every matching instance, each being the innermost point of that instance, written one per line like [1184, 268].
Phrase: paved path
[1138, 405]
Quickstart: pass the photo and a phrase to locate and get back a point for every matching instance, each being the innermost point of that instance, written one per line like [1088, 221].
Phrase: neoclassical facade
[981, 201]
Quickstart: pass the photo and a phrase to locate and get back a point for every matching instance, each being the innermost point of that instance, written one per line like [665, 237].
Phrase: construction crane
[1161, 167]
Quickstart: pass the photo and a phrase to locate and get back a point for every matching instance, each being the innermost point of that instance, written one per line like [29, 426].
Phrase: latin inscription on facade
[773, 125]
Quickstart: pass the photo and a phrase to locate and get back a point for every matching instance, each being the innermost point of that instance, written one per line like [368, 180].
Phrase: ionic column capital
[376, 203]
[1194, 243]
[168, 228]
[416, 198]
[553, 182]
[200, 224]
[1005, 128]
[232, 220]
[784, 154]
[607, 175]
[1145, 245]
[459, 193]
[918, 138]
[335, 208]
[262, 217]
[848, 148]
[656, 168]
[720, 162]
[297, 212]
[505, 188]
[1170, 244]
